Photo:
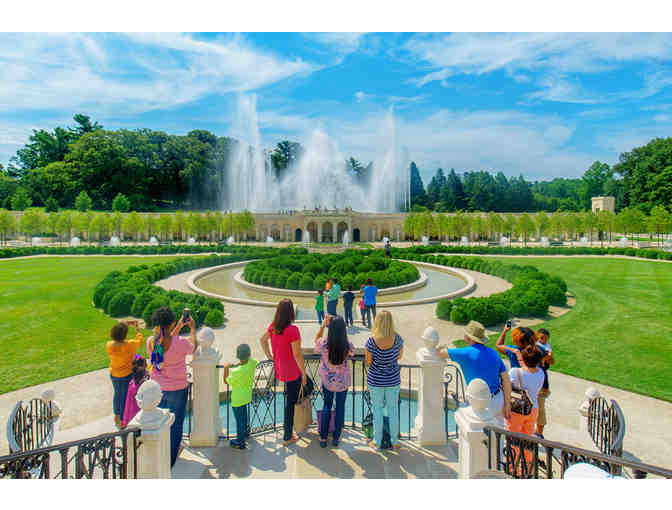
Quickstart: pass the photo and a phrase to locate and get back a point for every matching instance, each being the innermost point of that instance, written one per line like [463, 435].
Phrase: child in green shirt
[240, 378]
[319, 306]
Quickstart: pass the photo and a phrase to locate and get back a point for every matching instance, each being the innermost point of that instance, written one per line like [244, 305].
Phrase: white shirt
[546, 346]
[532, 382]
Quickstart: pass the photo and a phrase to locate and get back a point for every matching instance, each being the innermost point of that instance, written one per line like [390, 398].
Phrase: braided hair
[163, 317]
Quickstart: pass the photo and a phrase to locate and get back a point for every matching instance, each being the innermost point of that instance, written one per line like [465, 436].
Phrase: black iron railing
[32, 426]
[111, 455]
[524, 456]
[453, 396]
[606, 426]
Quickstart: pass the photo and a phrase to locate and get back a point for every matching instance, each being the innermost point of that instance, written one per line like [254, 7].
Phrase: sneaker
[237, 446]
[323, 443]
[334, 442]
[540, 436]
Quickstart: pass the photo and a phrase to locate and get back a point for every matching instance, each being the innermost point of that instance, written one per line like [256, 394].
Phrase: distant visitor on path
[362, 306]
[348, 301]
[168, 367]
[521, 338]
[388, 249]
[121, 354]
[332, 296]
[288, 362]
[370, 291]
[240, 377]
[319, 305]
[138, 376]
[334, 373]
[384, 349]
[543, 343]
[478, 361]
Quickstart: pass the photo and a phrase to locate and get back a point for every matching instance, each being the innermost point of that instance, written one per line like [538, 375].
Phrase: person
[332, 297]
[479, 361]
[370, 291]
[138, 376]
[240, 378]
[529, 378]
[348, 300]
[319, 305]
[334, 373]
[288, 362]
[384, 349]
[362, 306]
[121, 352]
[521, 338]
[167, 352]
[543, 337]
[388, 249]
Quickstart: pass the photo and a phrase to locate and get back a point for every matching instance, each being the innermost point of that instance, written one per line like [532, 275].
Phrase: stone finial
[591, 394]
[148, 398]
[478, 396]
[205, 351]
[430, 339]
[48, 397]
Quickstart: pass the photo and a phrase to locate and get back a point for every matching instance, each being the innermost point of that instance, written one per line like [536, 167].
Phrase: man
[370, 292]
[544, 345]
[388, 249]
[332, 296]
[478, 361]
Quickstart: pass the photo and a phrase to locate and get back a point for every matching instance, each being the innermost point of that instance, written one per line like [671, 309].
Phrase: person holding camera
[521, 338]
[168, 367]
[121, 354]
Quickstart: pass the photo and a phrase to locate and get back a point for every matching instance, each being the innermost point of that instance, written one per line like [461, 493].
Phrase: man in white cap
[478, 361]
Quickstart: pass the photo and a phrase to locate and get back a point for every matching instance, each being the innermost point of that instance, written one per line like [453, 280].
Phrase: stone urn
[478, 396]
[430, 339]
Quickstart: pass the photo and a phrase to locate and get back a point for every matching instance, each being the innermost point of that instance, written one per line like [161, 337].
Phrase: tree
[495, 225]
[133, 224]
[84, 125]
[165, 226]
[31, 223]
[52, 223]
[605, 224]
[434, 187]
[21, 200]
[589, 221]
[51, 205]
[557, 225]
[442, 225]
[593, 182]
[509, 226]
[524, 227]
[631, 220]
[7, 224]
[179, 224]
[82, 224]
[660, 222]
[285, 155]
[121, 203]
[248, 222]
[151, 225]
[542, 223]
[116, 221]
[410, 225]
[100, 224]
[83, 202]
[418, 195]
[64, 224]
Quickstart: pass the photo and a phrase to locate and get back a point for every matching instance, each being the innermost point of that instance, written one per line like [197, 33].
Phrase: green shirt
[334, 292]
[241, 380]
[319, 303]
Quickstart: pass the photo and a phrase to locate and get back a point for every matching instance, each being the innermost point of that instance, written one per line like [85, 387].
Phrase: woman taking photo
[384, 349]
[290, 368]
[335, 374]
[167, 352]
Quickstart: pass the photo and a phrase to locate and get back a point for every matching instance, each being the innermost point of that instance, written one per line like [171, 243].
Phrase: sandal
[294, 439]
[372, 444]
[396, 447]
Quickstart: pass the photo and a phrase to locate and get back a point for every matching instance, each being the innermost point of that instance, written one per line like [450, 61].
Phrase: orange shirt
[121, 355]
[327, 286]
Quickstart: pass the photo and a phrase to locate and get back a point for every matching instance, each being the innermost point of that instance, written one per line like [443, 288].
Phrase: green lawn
[50, 328]
[619, 332]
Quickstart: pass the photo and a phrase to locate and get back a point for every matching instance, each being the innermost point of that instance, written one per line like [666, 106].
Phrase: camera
[186, 313]
[509, 323]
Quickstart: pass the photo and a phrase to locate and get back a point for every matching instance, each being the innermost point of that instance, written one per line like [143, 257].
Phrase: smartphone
[186, 313]
[509, 324]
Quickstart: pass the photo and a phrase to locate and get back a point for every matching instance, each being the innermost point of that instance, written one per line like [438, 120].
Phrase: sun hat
[476, 332]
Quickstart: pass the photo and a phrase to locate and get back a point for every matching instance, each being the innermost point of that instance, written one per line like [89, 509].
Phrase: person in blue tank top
[478, 361]
[384, 349]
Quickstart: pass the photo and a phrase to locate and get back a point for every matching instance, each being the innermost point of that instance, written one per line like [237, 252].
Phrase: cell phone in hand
[186, 314]
[508, 324]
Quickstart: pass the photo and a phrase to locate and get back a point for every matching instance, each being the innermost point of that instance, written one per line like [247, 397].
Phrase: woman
[521, 337]
[384, 349]
[335, 374]
[530, 378]
[370, 291]
[288, 362]
[168, 351]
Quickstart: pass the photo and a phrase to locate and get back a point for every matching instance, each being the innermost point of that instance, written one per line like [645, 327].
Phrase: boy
[348, 300]
[319, 306]
[542, 342]
[240, 378]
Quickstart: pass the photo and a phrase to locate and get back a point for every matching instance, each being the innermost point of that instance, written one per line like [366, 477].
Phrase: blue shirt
[513, 359]
[384, 370]
[479, 362]
[370, 292]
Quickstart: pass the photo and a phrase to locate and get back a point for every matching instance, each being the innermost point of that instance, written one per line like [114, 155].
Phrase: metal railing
[30, 426]
[112, 455]
[606, 426]
[524, 456]
[453, 396]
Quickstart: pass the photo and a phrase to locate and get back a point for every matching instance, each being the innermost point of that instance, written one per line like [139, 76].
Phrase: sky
[543, 105]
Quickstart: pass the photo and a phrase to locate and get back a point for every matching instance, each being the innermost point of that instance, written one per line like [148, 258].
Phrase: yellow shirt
[121, 355]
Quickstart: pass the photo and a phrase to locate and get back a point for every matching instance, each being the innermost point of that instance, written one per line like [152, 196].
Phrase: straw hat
[476, 332]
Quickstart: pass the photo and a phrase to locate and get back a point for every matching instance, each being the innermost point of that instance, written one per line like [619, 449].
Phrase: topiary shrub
[120, 305]
[306, 282]
[443, 309]
[214, 318]
[459, 315]
[293, 281]
[152, 306]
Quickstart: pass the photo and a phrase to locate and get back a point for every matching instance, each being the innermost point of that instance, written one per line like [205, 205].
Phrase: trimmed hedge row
[131, 292]
[311, 272]
[532, 293]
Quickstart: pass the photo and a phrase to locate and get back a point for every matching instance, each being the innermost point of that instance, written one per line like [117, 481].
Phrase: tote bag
[303, 409]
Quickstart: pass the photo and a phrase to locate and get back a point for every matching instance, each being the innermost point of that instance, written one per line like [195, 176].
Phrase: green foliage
[214, 318]
[83, 202]
[21, 200]
[306, 282]
[51, 205]
[152, 306]
[120, 305]
[121, 203]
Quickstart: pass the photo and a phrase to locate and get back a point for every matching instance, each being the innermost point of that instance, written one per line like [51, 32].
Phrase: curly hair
[163, 317]
[531, 356]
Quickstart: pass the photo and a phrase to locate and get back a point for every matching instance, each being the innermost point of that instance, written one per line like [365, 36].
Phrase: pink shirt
[285, 365]
[334, 377]
[173, 375]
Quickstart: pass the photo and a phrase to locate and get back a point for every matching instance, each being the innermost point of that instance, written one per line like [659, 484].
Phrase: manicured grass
[50, 328]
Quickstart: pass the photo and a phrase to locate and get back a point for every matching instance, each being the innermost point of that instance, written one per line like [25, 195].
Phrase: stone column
[591, 394]
[473, 453]
[154, 454]
[334, 232]
[206, 423]
[429, 423]
[319, 233]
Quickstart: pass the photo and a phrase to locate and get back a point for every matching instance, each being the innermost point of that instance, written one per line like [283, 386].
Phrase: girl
[362, 306]
[319, 305]
[335, 374]
[138, 376]
[384, 349]
[121, 354]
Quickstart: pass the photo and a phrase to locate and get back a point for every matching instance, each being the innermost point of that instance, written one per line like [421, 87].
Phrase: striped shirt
[384, 370]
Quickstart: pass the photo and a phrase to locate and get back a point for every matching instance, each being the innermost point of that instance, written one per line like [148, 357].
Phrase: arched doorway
[327, 232]
[298, 235]
[275, 232]
[341, 229]
[263, 232]
[373, 234]
[385, 232]
[355, 235]
[286, 232]
[312, 231]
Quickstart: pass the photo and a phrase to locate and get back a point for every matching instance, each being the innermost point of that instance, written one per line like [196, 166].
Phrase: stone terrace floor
[266, 457]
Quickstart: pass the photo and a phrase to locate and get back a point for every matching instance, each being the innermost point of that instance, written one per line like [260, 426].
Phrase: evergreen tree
[83, 202]
[418, 195]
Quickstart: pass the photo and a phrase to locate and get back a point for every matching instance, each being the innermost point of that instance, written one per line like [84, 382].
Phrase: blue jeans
[368, 310]
[348, 315]
[331, 307]
[176, 402]
[385, 397]
[320, 316]
[120, 386]
[242, 425]
[339, 419]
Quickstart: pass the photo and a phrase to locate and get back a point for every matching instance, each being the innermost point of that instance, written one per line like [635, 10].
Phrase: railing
[30, 426]
[104, 456]
[606, 426]
[453, 396]
[524, 456]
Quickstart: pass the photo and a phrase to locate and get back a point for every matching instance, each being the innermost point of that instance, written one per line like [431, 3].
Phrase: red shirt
[286, 368]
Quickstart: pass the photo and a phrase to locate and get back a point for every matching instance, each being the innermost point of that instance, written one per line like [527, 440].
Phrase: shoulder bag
[521, 403]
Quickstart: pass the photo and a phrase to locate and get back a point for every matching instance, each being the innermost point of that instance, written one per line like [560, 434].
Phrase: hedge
[310, 272]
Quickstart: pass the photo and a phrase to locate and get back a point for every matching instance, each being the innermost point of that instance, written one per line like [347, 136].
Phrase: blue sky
[541, 104]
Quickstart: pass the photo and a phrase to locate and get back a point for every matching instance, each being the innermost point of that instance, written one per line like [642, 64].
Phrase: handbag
[303, 409]
[332, 421]
[521, 403]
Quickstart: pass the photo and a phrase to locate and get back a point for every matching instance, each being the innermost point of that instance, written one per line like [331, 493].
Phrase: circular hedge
[311, 272]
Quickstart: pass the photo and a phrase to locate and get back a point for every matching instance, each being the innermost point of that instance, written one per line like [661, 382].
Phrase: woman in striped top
[384, 349]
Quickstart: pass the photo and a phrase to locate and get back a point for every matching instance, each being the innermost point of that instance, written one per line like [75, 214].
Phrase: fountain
[464, 241]
[115, 241]
[623, 241]
[230, 241]
[503, 240]
[35, 241]
[425, 241]
[584, 240]
[75, 241]
[191, 240]
[545, 242]
[346, 239]
[153, 241]
[269, 240]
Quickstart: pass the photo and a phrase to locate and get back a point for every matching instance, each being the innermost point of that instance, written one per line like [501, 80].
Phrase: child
[348, 300]
[240, 378]
[319, 306]
[543, 337]
[362, 306]
[542, 342]
[138, 376]
[121, 355]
